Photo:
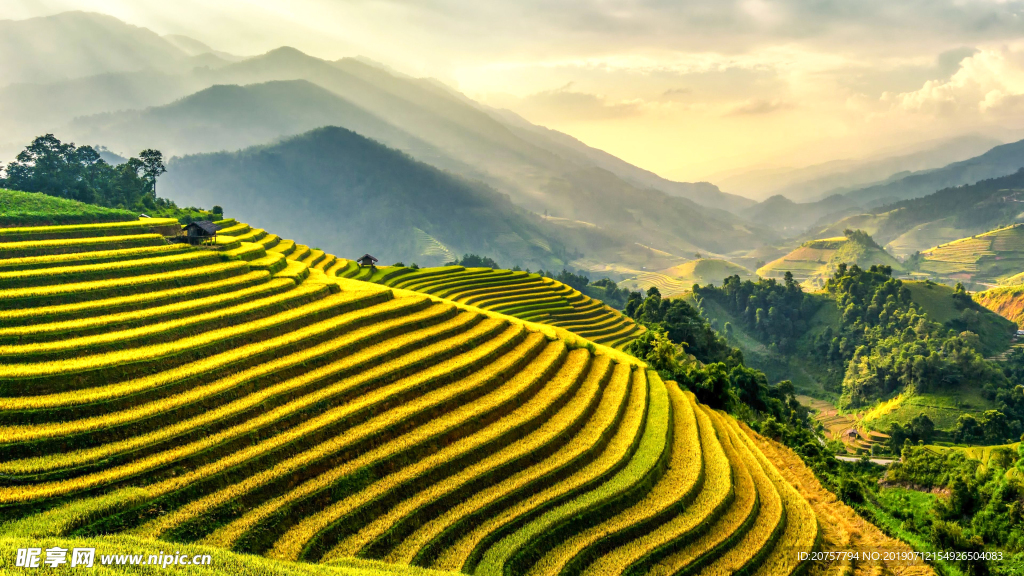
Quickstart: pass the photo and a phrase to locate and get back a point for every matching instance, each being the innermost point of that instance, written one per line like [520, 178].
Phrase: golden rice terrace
[246, 397]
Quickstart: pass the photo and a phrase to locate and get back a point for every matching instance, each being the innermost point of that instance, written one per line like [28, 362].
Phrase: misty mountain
[28, 110]
[511, 154]
[791, 218]
[347, 194]
[999, 161]
[540, 170]
[230, 117]
[918, 224]
[79, 44]
[858, 208]
[819, 181]
[194, 47]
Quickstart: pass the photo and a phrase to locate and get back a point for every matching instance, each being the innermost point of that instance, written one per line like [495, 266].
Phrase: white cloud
[988, 83]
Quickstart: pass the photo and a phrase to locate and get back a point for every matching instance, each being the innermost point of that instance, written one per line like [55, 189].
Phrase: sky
[691, 89]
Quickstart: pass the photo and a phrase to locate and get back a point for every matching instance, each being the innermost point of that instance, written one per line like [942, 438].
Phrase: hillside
[350, 195]
[814, 261]
[809, 184]
[318, 184]
[38, 209]
[520, 294]
[995, 257]
[703, 193]
[680, 279]
[999, 161]
[1007, 301]
[54, 48]
[242, 396]
[790, 218]
[941, 208]
[229, 117]
[937, 301]
[949, 214]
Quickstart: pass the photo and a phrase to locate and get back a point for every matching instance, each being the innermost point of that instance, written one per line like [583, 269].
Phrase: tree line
[65, 170]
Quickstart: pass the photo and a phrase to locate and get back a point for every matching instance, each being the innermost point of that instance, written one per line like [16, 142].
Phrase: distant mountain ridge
[812, 219]
[348, 194]
[951, 213]
[704, 193]
[230, 117]
[819, 181]
[79, 44]
[466, 130]
[999, 161]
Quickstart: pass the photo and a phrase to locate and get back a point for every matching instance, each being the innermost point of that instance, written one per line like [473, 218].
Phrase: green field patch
[19, 209]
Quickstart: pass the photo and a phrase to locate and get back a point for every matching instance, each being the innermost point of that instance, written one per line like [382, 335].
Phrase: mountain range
[808, 219]
[367, 198]
[181, 96]
[819, 181]
[228, 104]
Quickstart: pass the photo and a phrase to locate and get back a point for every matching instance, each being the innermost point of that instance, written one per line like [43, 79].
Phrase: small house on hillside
[366, 260]
[199, 232]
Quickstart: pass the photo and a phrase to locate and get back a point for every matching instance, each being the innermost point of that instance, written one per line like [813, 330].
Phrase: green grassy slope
[942, 408]
[935, 300]
[38, 209]
[776, 366]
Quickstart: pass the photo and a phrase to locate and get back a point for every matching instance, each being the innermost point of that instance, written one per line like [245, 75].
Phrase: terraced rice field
[845, 427]
[992, 257]
[669, 286]
[250, 399]
[430, 250]
[519, 294]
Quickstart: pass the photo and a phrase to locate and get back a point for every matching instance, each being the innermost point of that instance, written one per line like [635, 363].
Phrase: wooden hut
[366, 260]
[201, 231]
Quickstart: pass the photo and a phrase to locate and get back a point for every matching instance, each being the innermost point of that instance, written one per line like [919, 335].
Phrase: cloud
[989, 83]
[758, 106]
[566, 103]
[675, 93]
[596, 27]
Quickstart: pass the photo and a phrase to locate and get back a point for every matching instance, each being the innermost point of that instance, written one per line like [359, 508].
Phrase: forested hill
[943, 216]
[349, 195]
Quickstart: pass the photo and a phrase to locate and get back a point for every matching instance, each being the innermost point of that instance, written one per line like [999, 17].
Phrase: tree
[152, 167]
[967, 429]
[61, 169]
[474, 261]
[922, 428]
[52, 167]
